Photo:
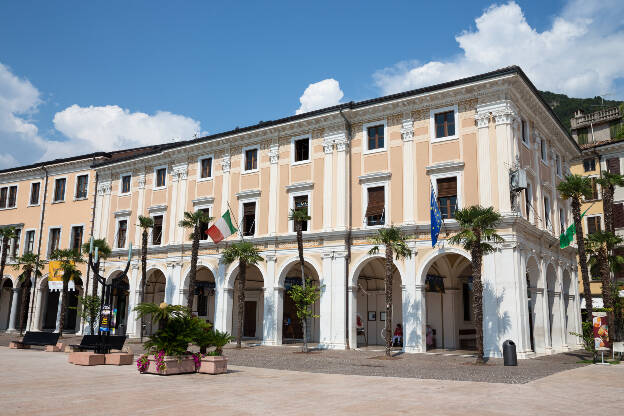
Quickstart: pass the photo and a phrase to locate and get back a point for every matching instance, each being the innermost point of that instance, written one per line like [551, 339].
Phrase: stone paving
[34, 382]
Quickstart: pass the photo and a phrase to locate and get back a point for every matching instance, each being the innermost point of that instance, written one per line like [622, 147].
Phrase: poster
[601, 331]
[55, 277]
[105, 318]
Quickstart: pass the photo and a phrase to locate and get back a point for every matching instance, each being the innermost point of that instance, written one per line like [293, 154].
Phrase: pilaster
[409, 200]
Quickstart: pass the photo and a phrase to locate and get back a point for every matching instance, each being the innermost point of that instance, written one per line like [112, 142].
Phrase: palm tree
[30, 265]
[68, 259]
[608, 181]
[575, 187]
[6, 235]
[394, 242]
[477, 230]
[195, 221]
[246, 254]
[104, 251]
[599, 244]
[145, 223]
[299, 216]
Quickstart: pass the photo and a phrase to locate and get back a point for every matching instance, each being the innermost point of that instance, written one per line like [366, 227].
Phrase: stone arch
[433, 256]
[253, 317]
[155, 288]
[207, 266]
[233, 273]
[6, 301]
[362, 261]
[285, 268]
[204, 295]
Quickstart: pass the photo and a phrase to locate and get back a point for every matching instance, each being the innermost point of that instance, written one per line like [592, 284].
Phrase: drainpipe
[41, 221]
[349, 227]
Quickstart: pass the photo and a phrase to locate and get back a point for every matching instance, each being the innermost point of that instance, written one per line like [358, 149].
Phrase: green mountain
[564, 106]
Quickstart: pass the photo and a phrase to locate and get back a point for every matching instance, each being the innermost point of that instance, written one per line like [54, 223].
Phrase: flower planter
[213, 365]
[173, 365]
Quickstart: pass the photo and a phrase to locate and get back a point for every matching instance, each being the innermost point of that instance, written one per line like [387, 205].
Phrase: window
[525, 131]
[251, 159]
[15, 244]
[445, 124]
[203, 227]
[125, 184]
[55, 239]
[375, 135]
[8, 196]
[29, 243]
[589, 164]
[161, 177]
[613, 165]
[76, 238]
[375, 210]
[593, 224]
[205, 168]
[558, 165]
[82, 182]
[12, 197]
[547, 221]
[543, 150]
[301, 203]
[618, 215]
[59, 189]
[157, 230]
[3, 197]
[594, 188]
[583, 136]
[249, 218]
[447, 197]
[302, 149]
[528, 197]
[34, 193]
[562, 220]
[122, 231]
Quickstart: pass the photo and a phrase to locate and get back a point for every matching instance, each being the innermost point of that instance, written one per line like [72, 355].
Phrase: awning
[596, 303]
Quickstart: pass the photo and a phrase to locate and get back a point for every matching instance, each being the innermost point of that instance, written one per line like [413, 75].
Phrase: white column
[409, 200]
[483, 154]
[449, 302]
[273, 191]
[58, 312]
[14, 309]
[504, 148]
[524, 340]
[415, 319]
[338, 294]
[325, 302]
[352, 293]
[225, 186]
[181, 171]
[271, 319]
[133, 326]
[172, 209]
[228, 294]
[328, 148]
[220, 304]
[545, 307]
[173, 277]
[35, 323]
[140, 208]
[557, 324]
[538, 202]
[341, 176]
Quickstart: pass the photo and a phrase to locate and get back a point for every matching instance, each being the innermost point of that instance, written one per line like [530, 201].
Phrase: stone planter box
[119, 358]
[184, 365]
[213, 365]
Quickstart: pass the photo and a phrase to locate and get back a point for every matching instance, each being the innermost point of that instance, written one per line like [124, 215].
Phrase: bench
[36, 338]
[100, 342]
[467, 339]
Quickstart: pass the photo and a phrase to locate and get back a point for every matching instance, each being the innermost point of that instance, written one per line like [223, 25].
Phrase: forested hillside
[564, 106]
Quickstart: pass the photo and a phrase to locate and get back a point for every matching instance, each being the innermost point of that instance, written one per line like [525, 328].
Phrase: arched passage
[154, 293]
[6, 300]
[51, 298]
[120, 297]
[448, 292]
[292, 330]
[535, 295]
[253, 309]
[204, 294]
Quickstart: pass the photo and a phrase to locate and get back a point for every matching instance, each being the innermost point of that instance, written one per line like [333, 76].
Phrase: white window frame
[558, 165]
[56, 227]
[150, 237]
[117, 221]
[30, 194]
[12, 244]
[123, 175]
[365, 127]
[455, 174]
[293, 148]
[547, 201]
[562, 216]
[76, 186]
[204, 205]
[71, 234]
[199, 168]
[586, 230]
[432, 131]
[365, 187]
[156, 168]
[291, 206]
[257, 169]
[527, 142]
[529, 190]
[240, 215]
[26, 231]
[544, 152]
[54, 190]
[9, 186]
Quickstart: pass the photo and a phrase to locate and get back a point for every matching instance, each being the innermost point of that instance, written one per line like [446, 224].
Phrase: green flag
[566, 238]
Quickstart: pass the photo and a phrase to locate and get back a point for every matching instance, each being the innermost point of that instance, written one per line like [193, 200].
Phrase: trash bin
[509, 353]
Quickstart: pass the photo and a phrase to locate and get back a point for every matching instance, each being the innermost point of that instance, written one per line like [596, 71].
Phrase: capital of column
[279, 288]
[16, 290]
[482, 119]
[407, 130]
[104, 188]
[270, 257]
[274, 153]
[141, 181]
[328, 146]
[180, 172]
[226, 163]
[420, 288]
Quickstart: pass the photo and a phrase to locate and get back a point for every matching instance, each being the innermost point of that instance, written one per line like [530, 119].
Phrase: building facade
[357, 167]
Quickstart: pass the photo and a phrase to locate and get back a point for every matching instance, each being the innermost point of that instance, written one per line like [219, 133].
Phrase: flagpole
[240, 233]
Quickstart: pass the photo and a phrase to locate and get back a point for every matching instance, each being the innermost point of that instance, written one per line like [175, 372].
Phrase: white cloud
[321, 94]
[580, 54]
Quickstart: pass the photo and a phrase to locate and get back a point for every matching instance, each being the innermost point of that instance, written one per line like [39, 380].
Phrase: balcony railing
[596, 117]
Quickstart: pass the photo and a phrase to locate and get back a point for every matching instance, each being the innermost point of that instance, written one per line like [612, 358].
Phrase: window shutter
[447, 187]
[618, 215]
[375, 201]
[613, 165]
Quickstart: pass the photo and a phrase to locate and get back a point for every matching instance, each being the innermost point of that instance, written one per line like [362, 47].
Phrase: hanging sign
[105, 318]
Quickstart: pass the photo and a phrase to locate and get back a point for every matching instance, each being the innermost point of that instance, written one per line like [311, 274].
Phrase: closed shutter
[375, 201]
[249, 208]
[613, 165]
[593, 225]
[594, 187]
[447, 187]
[618, 215]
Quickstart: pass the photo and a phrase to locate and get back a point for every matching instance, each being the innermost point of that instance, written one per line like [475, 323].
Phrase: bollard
[509, 353]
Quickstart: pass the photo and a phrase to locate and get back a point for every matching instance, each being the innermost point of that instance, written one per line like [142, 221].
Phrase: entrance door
[71, 311]
[249, 324]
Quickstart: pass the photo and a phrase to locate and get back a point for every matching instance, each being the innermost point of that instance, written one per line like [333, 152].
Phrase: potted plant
[214, 362]
[167, 350]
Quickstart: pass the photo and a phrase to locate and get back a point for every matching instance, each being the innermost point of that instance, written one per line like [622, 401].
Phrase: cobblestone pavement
[39, 383]
[368, 363]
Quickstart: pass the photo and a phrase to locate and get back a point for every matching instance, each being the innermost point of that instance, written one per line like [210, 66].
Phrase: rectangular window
[161, 177]
[589, 164]
[34, 193]
[157, 230]
[55, 240]
[82, 183]
[525, 131]
[251, 159]
[301, 203]
[594, 187]
[562, 220]
[375, 211]
[543, 150]
[527, 201]
[376, 137]
[613, 165]
[558, 165]
[249, 218]
[547, 222]
[76, 238]
[302, 150]
[59, 189]
[447, 197]
[29, 242]
[125, 184]
[206, 168]
[583, 136]
[15, 244]
[204, 225]
[12, 197]
[618, 215]
[445, 124]
[593, 225]
[122, 231]
[3, 197]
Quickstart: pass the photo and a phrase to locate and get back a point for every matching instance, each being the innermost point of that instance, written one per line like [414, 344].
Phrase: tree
[31, 267]
[304, 296]
[194, 221]
[104, 251]
[575, 187]
[394, 242]
[145, 223]
[477, 232]
[68, 259]
[246, 254]
[89, 308]
[608, 181]
[298, 217]
[6, 235]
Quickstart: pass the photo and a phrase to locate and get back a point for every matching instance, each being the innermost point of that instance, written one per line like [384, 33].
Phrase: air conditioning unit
[518, 180]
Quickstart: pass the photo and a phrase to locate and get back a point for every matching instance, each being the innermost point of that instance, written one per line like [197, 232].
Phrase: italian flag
[222, 228]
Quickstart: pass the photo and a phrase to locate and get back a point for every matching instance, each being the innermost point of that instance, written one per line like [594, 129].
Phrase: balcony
[584, 120]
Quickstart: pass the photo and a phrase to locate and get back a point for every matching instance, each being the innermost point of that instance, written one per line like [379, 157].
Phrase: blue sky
[82, 76]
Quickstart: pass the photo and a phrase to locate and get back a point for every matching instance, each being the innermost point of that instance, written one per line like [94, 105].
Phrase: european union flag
[436, 219]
